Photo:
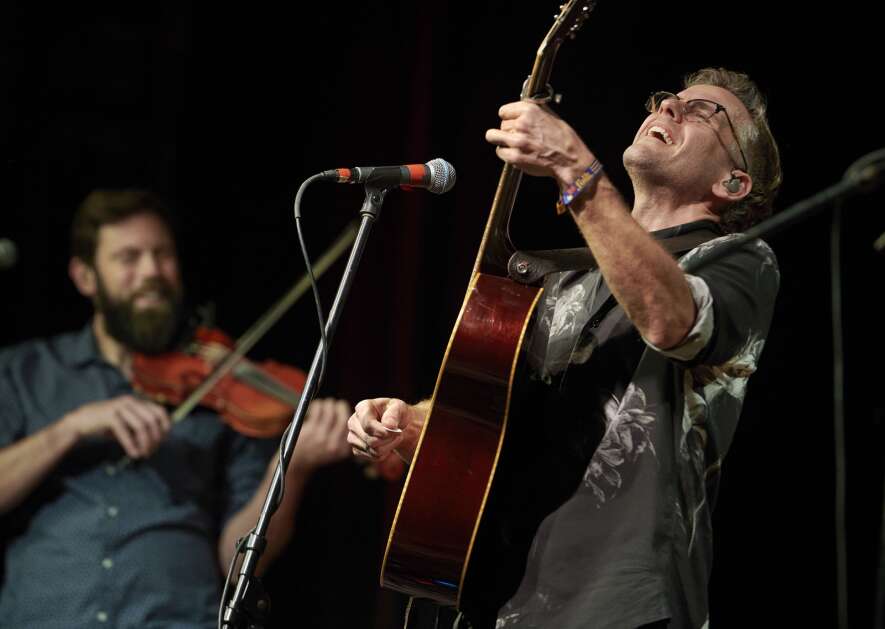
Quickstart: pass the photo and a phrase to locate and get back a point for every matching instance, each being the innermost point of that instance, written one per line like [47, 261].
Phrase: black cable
[879, 620]
[839, 417]
[309, 267]
[230, 571]
[278, 498]
[866, 171]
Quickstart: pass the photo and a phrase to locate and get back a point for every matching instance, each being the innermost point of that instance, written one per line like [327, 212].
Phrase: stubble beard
[644, 168]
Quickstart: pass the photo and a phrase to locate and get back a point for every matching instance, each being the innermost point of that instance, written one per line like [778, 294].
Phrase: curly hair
[761, 149]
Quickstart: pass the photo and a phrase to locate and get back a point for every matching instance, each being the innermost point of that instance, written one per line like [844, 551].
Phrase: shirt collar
[685, 228]
[83, 349]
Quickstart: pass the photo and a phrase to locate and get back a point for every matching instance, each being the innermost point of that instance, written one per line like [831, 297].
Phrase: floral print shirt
[631, 543]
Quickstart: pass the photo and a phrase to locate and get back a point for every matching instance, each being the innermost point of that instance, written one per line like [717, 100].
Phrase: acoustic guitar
[434, 548]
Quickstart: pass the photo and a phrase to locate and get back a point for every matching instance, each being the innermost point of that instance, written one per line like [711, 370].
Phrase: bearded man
[113, 516]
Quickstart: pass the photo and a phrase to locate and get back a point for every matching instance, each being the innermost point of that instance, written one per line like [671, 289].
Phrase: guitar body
[445, 493]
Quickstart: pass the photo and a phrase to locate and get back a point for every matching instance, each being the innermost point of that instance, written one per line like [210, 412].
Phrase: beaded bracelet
[581, 183]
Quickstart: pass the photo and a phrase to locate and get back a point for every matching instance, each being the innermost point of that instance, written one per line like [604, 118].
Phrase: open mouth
[659, 133]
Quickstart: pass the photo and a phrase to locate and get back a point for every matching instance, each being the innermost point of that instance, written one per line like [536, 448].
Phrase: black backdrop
[226, 110]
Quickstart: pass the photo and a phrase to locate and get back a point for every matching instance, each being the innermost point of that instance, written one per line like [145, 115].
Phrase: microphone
[437, 175]
[8, 254]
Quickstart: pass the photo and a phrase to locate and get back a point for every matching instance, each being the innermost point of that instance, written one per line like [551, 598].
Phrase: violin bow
[266, 321]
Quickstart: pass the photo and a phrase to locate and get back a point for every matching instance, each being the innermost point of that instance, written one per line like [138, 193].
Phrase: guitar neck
[495, 249]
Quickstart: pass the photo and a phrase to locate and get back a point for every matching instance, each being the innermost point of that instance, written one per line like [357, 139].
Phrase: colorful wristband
[581, 184]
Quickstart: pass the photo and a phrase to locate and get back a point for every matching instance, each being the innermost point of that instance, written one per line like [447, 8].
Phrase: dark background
[227, 110]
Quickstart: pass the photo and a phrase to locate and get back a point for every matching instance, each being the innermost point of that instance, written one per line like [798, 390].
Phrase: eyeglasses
[696, 110]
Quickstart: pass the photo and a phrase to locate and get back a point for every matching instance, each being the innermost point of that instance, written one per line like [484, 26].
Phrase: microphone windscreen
[442, 176]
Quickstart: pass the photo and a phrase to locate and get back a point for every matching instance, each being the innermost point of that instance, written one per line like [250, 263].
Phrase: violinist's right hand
[138, 425]
[381, 425]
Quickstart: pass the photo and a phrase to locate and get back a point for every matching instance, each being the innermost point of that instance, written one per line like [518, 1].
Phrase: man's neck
[111, 350]
[660, 210]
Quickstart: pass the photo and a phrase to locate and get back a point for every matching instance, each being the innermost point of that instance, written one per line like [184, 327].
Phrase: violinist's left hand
[322, 441]
[323, 438]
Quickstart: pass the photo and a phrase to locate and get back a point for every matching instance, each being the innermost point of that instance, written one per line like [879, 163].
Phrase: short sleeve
[12, 420]
[701, 332]
[743, 286]
[247, 463]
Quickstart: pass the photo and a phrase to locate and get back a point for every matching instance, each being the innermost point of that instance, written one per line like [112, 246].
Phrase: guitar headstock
[568, 22]
[570, 19]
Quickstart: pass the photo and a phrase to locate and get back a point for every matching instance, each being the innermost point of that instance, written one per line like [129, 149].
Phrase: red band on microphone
[416, 173]
[344, 175]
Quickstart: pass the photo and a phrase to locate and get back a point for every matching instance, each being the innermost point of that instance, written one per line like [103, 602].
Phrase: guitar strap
[530, 267]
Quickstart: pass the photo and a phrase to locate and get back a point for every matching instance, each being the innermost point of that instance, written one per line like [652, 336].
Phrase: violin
[255, 400]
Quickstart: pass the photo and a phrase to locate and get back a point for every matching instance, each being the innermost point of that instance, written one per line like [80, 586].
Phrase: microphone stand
[862, 176]
[249, 605]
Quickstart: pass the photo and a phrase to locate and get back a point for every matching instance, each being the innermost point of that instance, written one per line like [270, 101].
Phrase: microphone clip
[373, 200]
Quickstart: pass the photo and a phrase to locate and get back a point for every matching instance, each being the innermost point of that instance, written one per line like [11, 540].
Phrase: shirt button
[107, 563]
[101, 616]
[112, 512]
